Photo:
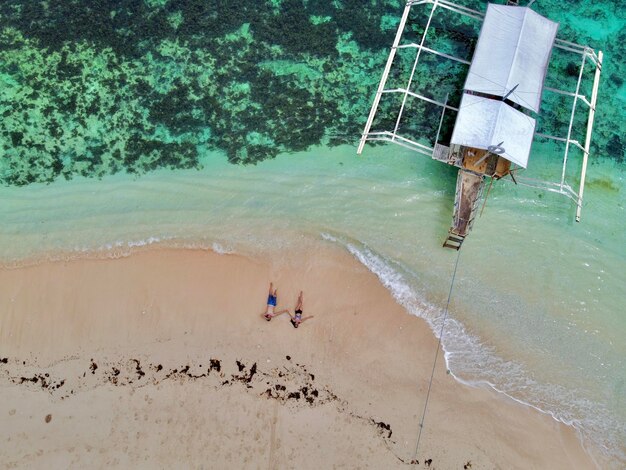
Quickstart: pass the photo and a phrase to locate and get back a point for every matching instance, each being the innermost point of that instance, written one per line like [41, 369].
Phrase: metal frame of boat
[446, 153]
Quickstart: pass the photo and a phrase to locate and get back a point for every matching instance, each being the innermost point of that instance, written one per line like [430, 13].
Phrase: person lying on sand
[271, 304]
[297, 317]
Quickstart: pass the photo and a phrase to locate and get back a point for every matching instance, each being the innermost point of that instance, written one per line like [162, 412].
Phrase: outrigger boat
[495, 121]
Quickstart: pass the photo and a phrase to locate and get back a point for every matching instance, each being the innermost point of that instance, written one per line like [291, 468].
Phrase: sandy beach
[161, 359]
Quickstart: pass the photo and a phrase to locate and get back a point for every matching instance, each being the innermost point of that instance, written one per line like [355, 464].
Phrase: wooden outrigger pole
[592, 112]
[383, 79]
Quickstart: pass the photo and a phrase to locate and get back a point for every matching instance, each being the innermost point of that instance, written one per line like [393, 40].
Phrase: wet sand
[162, 359]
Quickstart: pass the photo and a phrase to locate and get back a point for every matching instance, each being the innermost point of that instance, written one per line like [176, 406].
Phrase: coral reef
[94, 88]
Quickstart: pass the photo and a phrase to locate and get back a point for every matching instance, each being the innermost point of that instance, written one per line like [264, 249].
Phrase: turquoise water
[131, 110]
[537, 309]
[97, 88]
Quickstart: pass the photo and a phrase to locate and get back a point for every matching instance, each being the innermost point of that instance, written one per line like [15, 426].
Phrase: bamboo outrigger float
[494, 127]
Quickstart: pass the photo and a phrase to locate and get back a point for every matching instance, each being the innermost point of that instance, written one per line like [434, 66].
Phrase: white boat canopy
[513, 49]
[495, 126]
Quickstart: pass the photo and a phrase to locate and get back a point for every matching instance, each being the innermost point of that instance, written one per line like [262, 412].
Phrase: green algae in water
[94, 88]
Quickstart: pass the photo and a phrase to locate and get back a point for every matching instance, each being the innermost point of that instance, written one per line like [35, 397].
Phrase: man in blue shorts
[271, 304]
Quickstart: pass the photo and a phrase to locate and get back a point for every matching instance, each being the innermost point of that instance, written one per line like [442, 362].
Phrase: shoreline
[371, 352]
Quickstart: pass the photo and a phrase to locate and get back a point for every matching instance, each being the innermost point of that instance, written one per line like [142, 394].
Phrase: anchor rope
[432, 373]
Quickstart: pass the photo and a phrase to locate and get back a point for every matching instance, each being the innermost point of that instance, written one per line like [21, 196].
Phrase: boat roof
[493, 125]
[513, 48]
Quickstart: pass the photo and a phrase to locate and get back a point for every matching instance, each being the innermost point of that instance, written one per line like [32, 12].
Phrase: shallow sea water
[537, 307]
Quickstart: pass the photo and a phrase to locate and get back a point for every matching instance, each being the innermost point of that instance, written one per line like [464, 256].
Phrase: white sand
[367, 360]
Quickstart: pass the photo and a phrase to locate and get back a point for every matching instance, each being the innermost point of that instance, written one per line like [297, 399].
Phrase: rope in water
[432, 374]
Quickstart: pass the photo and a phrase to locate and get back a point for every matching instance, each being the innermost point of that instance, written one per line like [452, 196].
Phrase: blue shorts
[271, 300]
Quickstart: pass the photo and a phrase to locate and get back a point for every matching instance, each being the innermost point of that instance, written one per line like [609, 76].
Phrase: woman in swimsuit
[271, 304]
[297, 317]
